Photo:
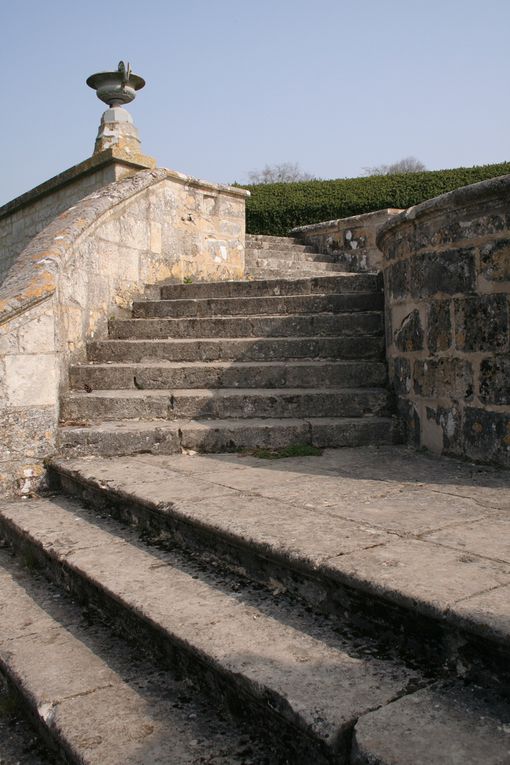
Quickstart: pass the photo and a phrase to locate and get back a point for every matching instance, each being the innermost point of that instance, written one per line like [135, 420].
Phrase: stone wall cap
[90, 165]
[351, 220]
[207, 185]
[461, 197]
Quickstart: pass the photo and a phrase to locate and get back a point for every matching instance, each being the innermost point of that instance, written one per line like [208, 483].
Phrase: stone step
[267, 287]
[171, 437]
[300, 683]
[96, 701]
[294, 254]
[224, 403]
[268, 264]
[257, 306]
[253, 239]
[384, 540]
[362, 346]
[364, 319]
[259, 246]
[239, 374]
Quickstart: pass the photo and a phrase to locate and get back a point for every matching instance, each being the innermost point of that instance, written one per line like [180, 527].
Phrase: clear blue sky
[335, 85]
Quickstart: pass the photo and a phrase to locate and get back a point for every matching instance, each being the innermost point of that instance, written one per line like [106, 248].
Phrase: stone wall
[349, 241]
[22, 218]
[447, 289]
[86, 266]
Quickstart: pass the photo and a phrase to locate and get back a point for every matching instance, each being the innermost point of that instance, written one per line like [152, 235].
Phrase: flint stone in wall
[495, 260]
[482, 323]
[443, 378]
[410, 420]
[439, 328]
[410, 335]
[495, 380]
[436, 272]
[487, 436]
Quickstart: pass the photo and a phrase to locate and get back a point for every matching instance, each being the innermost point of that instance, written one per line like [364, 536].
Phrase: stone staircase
[193, 617]
[236, 365]
[285, 257]
[163, 607]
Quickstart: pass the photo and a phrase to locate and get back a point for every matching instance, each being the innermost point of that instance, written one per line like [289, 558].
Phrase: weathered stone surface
[487, 435]
[495, 380]
[397, 279]
[409, 336]
[456, 246]
[444, 725]
[495, 260]
[451, 272]
[439, 326]
[402, 378]
[482, 323]
[317, 687]
[443, 378]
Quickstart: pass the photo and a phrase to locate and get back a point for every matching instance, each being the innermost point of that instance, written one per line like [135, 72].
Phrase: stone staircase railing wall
[447, 287]
[348, 242]
[86, 266]
[24, 217]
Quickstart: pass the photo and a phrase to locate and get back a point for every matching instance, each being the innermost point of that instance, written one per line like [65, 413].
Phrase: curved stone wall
[447, 289]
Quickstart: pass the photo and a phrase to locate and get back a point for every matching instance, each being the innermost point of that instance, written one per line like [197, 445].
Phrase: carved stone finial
[116, 89]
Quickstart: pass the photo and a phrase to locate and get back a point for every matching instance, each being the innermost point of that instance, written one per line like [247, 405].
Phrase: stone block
[482, 323]
[448, 272]
[487, 436]
[409, 337]
[449, 420]
[401, 378]
[443, 378]
[495, 380]
[38, 335]
[397, 279]
[495, 260]
[31, 379]
[439, 326]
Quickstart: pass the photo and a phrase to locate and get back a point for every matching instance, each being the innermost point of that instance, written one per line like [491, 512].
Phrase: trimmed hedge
[275, 208]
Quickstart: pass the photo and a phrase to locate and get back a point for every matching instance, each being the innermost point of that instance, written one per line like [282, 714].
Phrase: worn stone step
[268, 264]
[283, 672]
[267, 287]
[267, 239]
[113, 438]
[446, 724]
[259, 246]
[95, 700]
[239, 374]
[365, 319]
[362, 346]
[258, 306]
[399, 544]
[224, 403]
[294, 254]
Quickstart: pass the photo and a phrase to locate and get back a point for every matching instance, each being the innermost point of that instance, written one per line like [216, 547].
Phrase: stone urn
[116, 88]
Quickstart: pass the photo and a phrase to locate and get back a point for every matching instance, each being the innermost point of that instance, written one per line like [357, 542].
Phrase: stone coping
[33, 276]
[92, 164]
[466, 196]
[351, 221]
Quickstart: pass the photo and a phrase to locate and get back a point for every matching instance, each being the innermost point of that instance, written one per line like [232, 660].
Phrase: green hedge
[275, 208]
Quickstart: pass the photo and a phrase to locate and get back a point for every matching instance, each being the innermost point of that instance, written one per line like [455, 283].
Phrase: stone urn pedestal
[117, 129]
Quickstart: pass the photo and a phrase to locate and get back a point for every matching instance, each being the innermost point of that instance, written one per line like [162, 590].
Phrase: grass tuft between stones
[293, 450]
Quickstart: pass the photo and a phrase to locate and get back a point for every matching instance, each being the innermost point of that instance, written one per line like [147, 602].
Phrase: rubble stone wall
[351, 242]
[86, 267]
[447, 291]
